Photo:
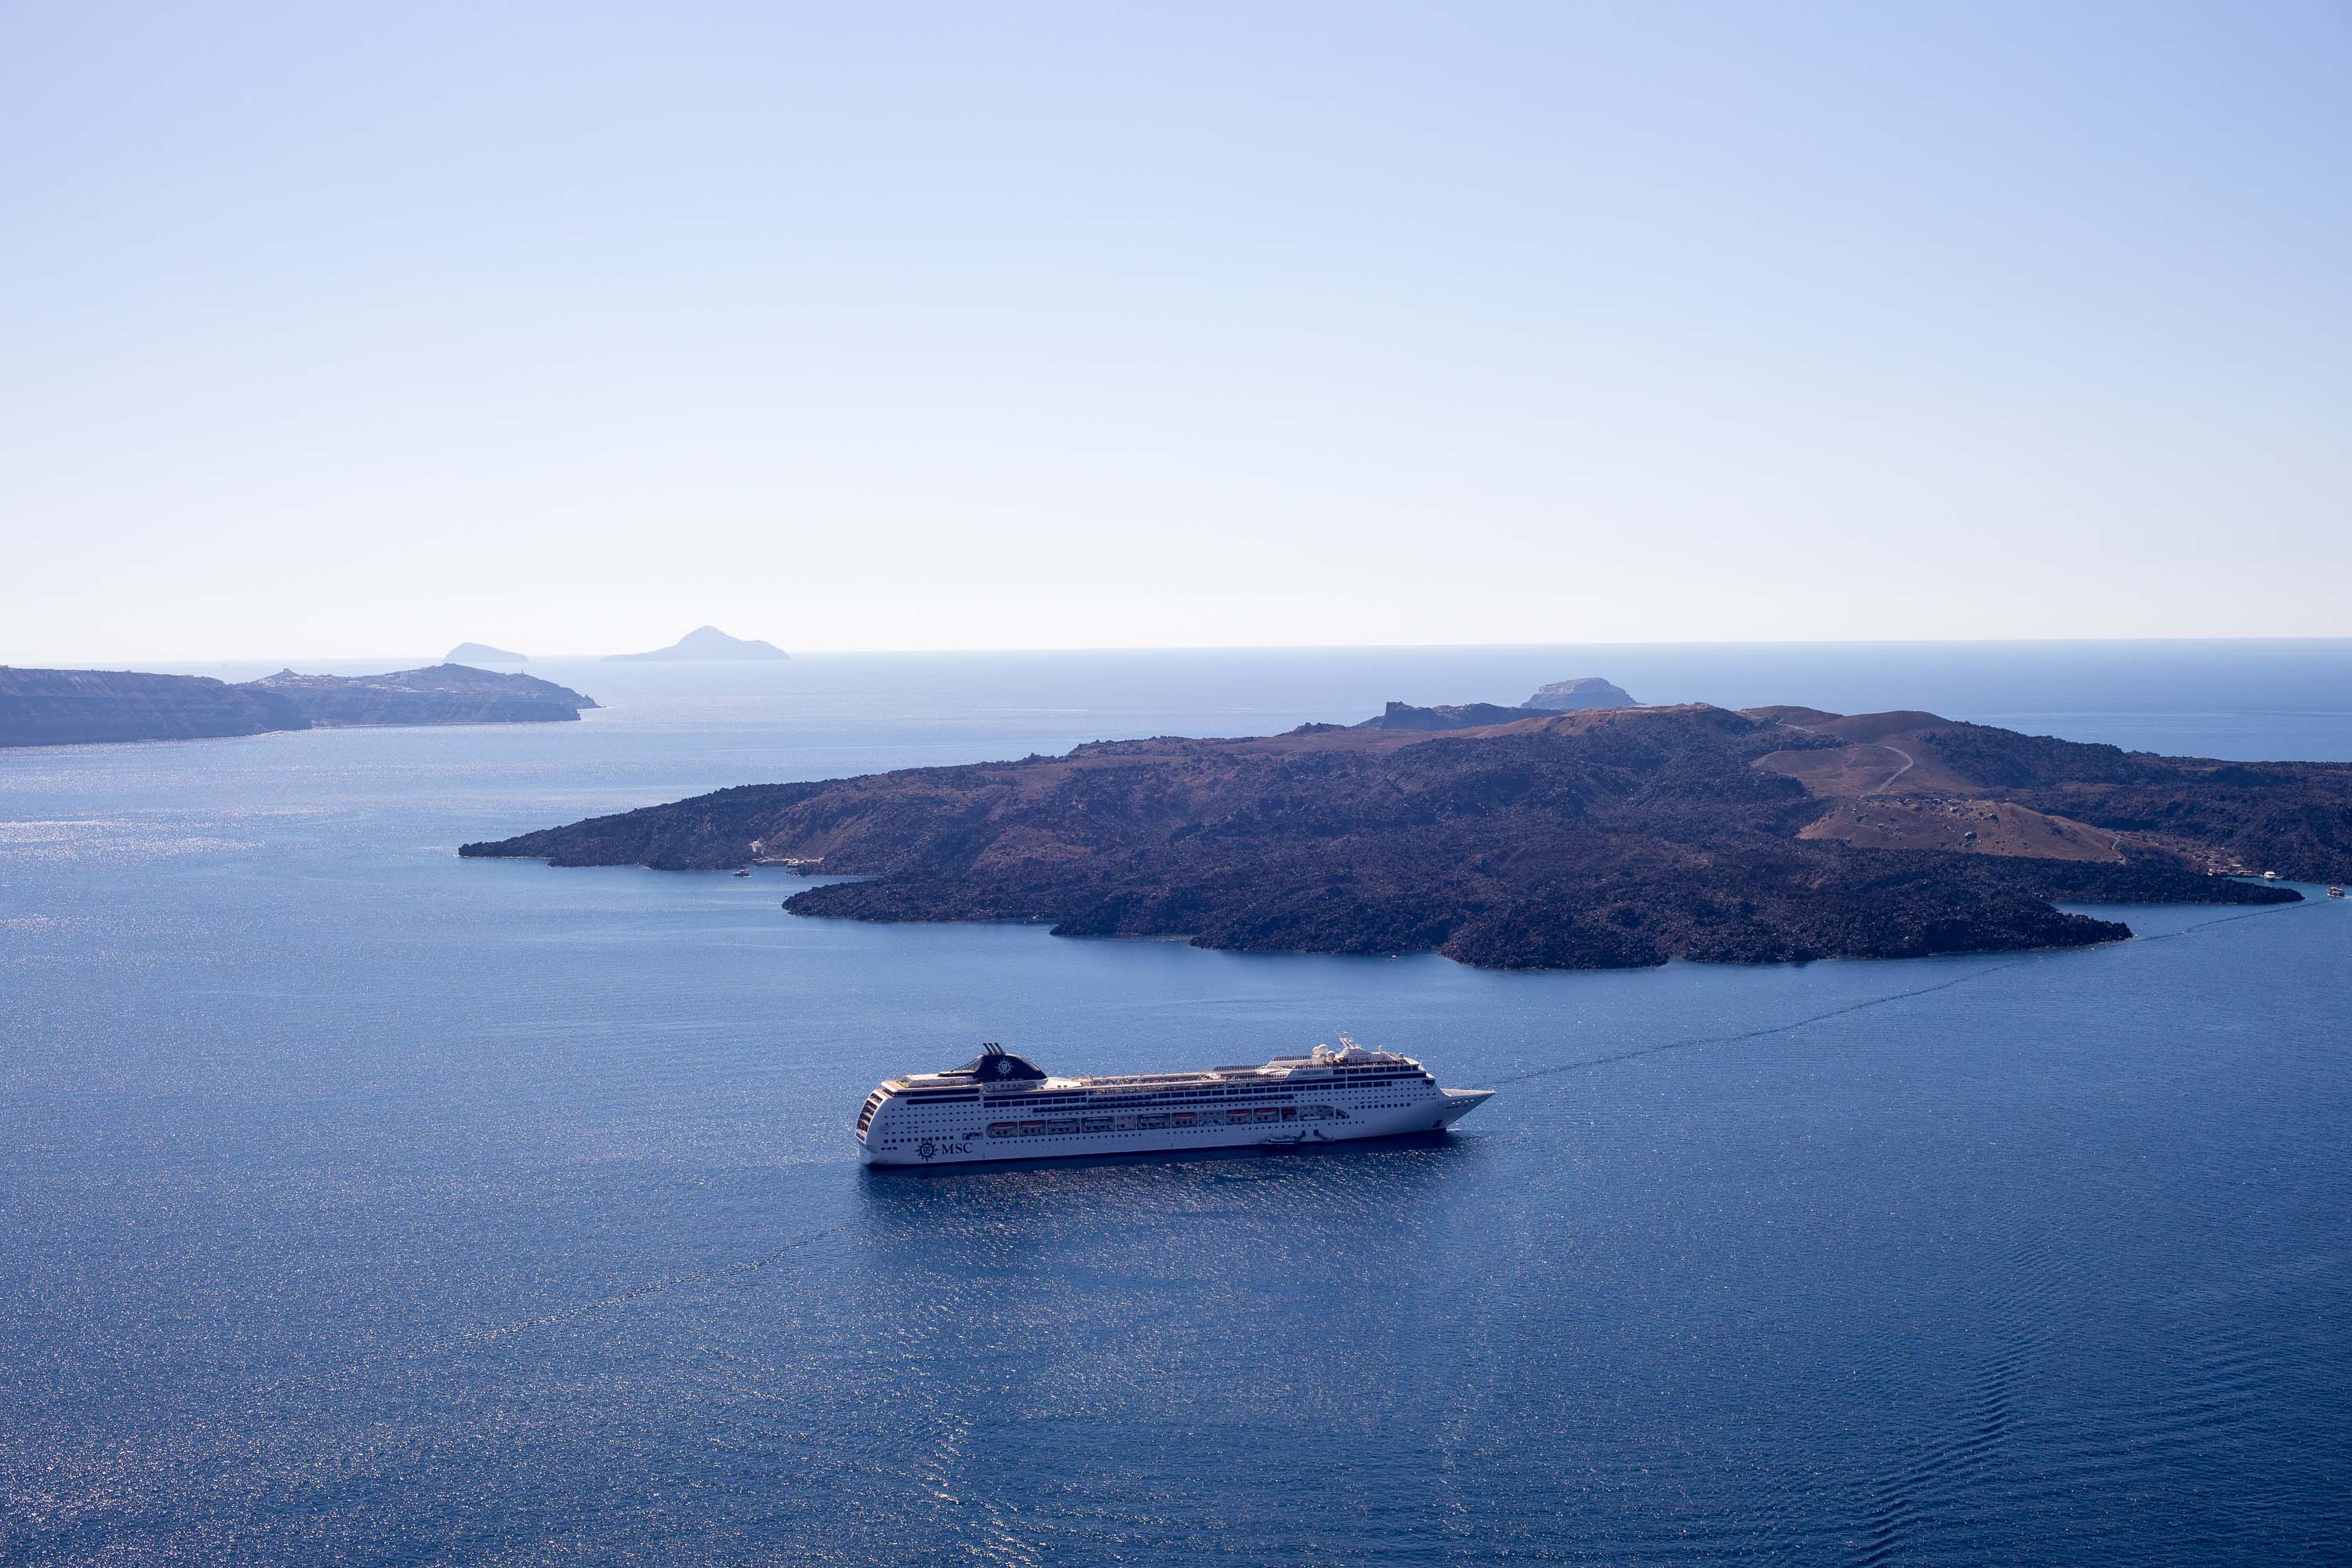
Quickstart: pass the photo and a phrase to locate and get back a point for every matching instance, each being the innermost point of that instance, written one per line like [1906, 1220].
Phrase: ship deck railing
[1161, 1079]
[1315, 1073]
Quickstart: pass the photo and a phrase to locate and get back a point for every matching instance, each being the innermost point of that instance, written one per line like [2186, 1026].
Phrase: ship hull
[1440, 1109]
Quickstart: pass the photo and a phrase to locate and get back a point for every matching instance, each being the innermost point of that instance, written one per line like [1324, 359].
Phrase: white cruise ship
[999, 1106]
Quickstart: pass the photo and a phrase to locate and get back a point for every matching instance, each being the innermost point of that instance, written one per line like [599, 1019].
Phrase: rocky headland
[67, 707]
[1559, 697]
[438, 694]
[1594, 838]
[1446, 716]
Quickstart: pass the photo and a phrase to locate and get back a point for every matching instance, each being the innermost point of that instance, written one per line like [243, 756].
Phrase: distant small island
[1573, 696]
[707, 644]
[69, 706]
[481, 653]
[1602, 838]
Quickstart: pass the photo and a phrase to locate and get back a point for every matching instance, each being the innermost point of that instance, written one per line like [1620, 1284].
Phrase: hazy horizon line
[581, 657]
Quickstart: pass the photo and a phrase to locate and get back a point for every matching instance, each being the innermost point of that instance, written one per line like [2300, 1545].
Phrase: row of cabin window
[1153, 1095]
[1172, 1096]
[1110, 1124]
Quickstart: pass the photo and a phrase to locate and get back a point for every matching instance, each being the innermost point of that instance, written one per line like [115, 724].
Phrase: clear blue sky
[344, 330]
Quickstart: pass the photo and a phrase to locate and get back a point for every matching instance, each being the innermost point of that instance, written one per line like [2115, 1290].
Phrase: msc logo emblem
[927, 1148]
[1004, 1067]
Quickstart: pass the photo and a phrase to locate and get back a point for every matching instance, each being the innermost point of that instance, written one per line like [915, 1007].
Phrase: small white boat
[743, 870]
[2270, 875]
[2335, 892]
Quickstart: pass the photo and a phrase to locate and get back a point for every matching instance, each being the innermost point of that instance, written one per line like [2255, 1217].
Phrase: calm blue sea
[362, 1205]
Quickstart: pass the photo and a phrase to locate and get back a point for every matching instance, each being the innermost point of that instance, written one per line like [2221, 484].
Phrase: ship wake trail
[2225, 919]
[1745, 1034]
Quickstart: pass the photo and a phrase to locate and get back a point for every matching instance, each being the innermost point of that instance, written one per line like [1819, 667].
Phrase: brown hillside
[1961, 826]
[1597, 839]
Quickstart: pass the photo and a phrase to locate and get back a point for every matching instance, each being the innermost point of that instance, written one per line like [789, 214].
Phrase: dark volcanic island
[1598, 838]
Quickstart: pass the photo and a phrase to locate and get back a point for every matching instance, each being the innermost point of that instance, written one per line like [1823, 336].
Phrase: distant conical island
[481, 653]
[1585, 691]
[706, 643]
